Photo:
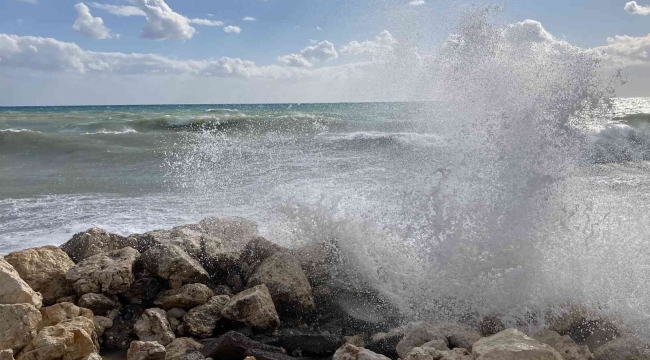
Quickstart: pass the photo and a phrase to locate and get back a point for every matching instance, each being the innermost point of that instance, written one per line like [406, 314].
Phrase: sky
[63, 52]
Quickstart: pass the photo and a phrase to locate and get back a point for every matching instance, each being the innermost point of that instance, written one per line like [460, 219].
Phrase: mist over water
[515, 186]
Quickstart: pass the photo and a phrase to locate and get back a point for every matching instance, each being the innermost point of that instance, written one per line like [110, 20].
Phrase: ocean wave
[384, 138]
[18, 131]
[220, 109]
[617, 143]
[107, 132]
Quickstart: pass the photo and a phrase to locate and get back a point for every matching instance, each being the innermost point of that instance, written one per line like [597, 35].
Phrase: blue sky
[279, 37]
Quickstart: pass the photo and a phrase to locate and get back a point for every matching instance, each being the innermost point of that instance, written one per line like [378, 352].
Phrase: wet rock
[417, 336]
[18, 325]
[254, 307]
[223, 290]
[194, 355]
[99, 304]
[584, 325]
[491, 325]
[626, 347]
[93, 242]
[144, 290]
[436, 344]
[515, 345]
[315, 260]
[154, 326]
[6, 355]
[564, 345]
[428, 353]
[110, 273]
[356, 340]
[175, 318]
[171, 263]
[101, 324]
[180, 347]
[120, 335]
[235, 346]
[257, 250]
[351, 352]
[57, 313]
[458, 335]
[71, 339]
[186, 297]
[201, 320]
[145, 350]
[386, 343]
[301, 343]
[44, 269]
[235, 232]
[14, 290]
[286, 281]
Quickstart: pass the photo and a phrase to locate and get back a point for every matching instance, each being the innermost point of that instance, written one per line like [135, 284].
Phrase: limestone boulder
[19, 325]
[627, 347]
[94, 241]
[44, 269]
[286, 281]
[429, 353]
[186, 297]
[145, 350]
[60, 312]
[110, 273]
[14, 290]
[201, 320]
[515, 345]
[71, 339]
[101, 324]
[172, 263]
[458, 335]
[417, 336]
[6, 354]
[351, 352]
[99, 304]
[564, 345]
[154, 326]
[181, 346]
[254, 307]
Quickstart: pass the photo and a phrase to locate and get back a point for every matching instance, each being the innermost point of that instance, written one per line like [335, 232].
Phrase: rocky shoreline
[217, 290]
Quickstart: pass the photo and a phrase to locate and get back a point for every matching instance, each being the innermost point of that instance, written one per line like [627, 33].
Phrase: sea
[520, 181]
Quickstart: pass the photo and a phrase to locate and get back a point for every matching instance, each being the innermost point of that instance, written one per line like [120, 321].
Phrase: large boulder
[172, 263]
[186, 297]
[286, 281]
[316, 260]
[586, 326]
[626, 347]
[429, 353]
[351, 352]
[120, 335]
[235, 346]
[181, 346]
[93, 242]
[417, 336]
[110, 273]
[57, 313]
[154, 326]
[254, 307]
[201, 320]
[18, 325]
[44, 270]
[145, 350]
[257, 250]
[458, 335]
[14, 290]
[512, 344]
[71, 340]
[99, 304]
[564, 345]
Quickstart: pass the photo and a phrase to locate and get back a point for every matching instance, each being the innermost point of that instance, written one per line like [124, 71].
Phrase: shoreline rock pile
[217, 290]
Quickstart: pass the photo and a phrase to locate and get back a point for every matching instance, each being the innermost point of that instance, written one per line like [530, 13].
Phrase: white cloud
[249, 18]
[323, 51]
[633, 8]
[623, 50]
[162, 22]
[205, 22]
[417, 2]
[383, 43]
[119, 10]
[232, 29]
[89, 26]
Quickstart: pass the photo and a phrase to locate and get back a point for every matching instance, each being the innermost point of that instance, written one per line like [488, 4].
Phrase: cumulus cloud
[205, 22]
[89, 26]
[417, 2]
[383, 43]
[119, 10]
[623, 50]
[249, 18]
[232, 29]
[633, 8]
[322, 51]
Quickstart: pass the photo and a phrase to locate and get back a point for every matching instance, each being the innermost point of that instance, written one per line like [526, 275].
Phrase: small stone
[254, 307]
[186, 297]
[145, 350]
[14, 290]
[154, 326]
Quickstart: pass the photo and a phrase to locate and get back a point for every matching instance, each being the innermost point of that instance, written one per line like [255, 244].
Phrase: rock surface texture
[93, 242]
[512, 344]
[14, 290]
[154, 326]
[186, 297]
[71, 339]
[145, 350]
[19, 324]
[110, 273]
[173, 264]
[201, 320]
[254, 307]
[351, 352]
